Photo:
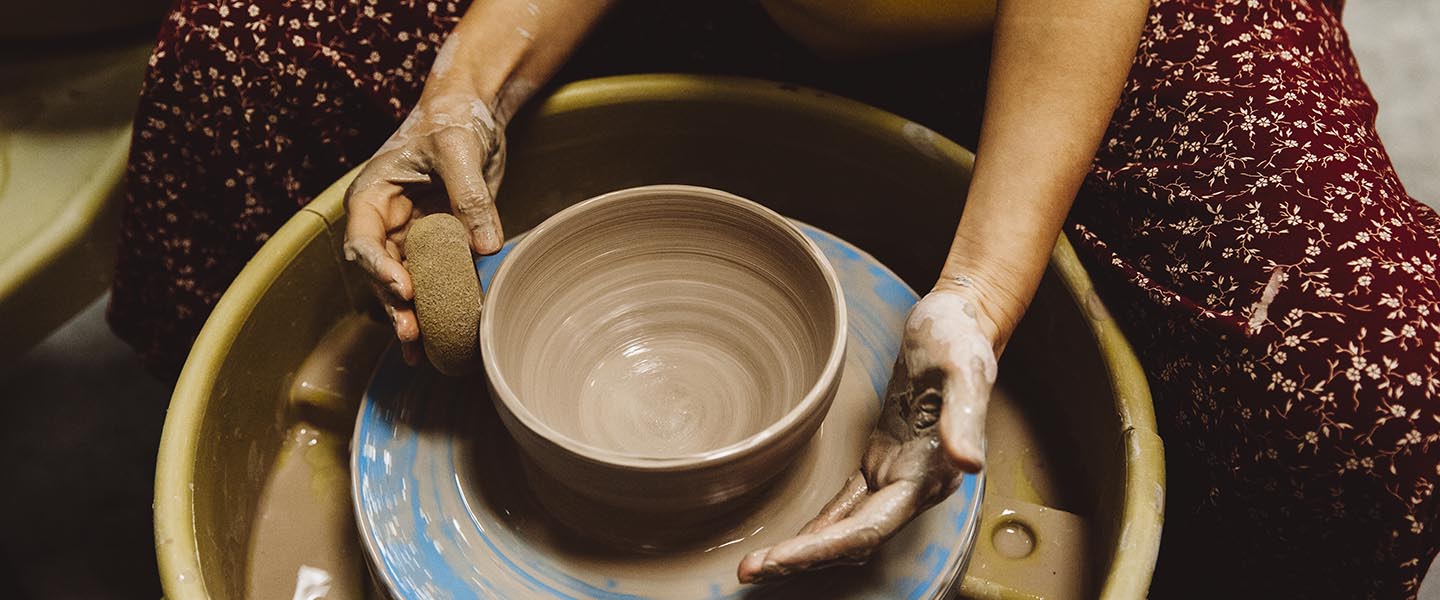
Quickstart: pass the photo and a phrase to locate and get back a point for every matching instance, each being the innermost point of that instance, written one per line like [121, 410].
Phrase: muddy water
[304, 544]
[1023, 455]
[303, 538]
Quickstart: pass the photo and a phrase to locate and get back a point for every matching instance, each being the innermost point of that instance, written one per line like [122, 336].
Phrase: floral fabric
[1281, 290]
[247, 111]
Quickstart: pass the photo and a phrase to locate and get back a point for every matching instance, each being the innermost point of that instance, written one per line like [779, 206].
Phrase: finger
[850, 494]
[962, 419]
[411, 352]
[366, 230]
[839, 507]
[400, 310]
[407, 328]
[460, 162]
[848, 541]
[401, 314]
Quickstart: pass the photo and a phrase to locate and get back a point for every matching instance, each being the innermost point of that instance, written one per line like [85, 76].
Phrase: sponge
[447, 292]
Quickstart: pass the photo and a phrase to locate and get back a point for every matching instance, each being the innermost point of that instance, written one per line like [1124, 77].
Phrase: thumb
[962, 419]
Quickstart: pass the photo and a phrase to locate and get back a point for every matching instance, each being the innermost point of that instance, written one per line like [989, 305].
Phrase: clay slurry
[447, 292]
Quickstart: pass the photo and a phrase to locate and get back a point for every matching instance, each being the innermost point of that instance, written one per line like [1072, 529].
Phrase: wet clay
[1032, 542]
[304, 532]
[1029, 455]
[326, 389]
[1013, 540]
[657, 328]
[793, 498]
[447, 292]
[582, 539]
[595, 538]
[305, 522]
[1029, 551]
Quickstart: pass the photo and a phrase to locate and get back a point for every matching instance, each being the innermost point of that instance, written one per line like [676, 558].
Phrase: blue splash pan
[444, 510]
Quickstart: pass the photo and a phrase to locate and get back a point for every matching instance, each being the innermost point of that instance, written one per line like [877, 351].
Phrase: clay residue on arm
[945, 335]
[449, 155]
[1055, 77]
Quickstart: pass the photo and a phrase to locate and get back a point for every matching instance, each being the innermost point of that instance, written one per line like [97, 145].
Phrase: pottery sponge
[447, 292]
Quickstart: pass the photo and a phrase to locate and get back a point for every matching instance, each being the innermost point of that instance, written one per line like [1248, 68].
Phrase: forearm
[504, 50]
[1056, 73]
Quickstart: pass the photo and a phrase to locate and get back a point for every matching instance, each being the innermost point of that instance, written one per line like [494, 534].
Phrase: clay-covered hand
[448, 155]
[931, 431]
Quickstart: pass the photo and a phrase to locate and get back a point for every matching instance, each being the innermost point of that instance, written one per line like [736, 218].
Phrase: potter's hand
[930, 432]
[448, 155]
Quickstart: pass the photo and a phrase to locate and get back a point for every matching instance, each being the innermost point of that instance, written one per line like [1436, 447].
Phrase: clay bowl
[663, 349]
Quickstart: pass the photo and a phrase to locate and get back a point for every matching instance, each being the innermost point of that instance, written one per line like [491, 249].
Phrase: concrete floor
[81, 430]
[1398, 45]
[83, 419]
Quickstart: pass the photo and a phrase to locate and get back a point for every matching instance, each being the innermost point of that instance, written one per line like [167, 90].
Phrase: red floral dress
[1241, 220]
[1281, 290]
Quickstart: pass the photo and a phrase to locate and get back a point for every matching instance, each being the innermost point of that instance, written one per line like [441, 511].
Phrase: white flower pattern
[249, 109]
[1296, 372]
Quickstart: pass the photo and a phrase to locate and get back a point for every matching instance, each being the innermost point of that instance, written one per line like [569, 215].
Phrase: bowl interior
[662, 322]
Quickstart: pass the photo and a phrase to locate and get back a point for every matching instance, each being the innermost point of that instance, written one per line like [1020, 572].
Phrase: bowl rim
[815, 399]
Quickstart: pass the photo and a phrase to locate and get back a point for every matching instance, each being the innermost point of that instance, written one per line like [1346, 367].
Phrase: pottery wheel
[444, 510]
